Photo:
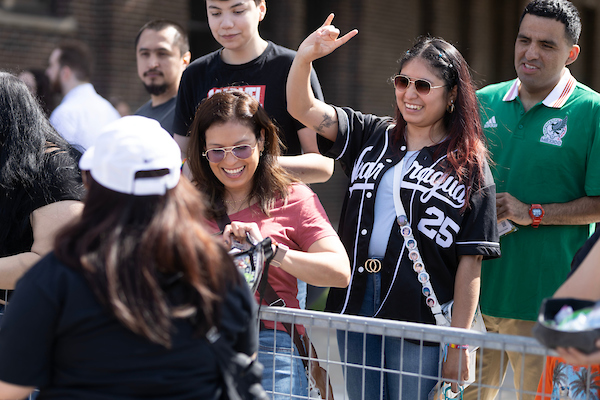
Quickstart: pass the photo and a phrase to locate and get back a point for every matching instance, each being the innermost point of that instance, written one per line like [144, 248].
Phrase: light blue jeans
[283, 374]
[386, 352]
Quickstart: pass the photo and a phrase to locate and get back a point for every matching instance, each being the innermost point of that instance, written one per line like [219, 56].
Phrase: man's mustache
[153, 71]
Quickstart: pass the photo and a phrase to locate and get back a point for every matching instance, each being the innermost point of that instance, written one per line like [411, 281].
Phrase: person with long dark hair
[121, 308]
[233, 153]
[419, 215]
[40, 184]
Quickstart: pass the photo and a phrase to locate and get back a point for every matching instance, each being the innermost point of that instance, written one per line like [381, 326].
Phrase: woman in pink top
[233, 156]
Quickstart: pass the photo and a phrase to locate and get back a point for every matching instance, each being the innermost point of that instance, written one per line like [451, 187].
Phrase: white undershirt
[385, 213]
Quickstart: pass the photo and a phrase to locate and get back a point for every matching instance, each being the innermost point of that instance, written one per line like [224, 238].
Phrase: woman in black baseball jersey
[430, 162]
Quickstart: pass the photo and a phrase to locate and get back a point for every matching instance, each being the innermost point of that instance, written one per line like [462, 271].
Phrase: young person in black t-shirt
[258, 67]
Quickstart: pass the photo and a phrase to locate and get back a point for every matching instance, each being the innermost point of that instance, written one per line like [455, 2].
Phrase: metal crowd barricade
[321, 328]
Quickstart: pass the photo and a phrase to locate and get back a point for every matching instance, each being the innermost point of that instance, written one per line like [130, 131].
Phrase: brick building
[356, 75]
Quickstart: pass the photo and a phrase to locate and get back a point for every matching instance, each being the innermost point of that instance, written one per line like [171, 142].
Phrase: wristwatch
[280, 251]
[537, 213]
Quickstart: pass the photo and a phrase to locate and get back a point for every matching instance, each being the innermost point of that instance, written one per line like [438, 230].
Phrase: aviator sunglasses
[240, 152]
[423, 87]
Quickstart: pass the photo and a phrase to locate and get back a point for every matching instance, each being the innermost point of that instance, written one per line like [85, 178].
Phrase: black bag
[242, 374]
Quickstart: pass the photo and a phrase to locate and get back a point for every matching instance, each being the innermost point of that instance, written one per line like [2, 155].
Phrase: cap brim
[87, 159]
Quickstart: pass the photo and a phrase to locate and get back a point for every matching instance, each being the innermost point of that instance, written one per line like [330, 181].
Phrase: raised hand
[323, 41]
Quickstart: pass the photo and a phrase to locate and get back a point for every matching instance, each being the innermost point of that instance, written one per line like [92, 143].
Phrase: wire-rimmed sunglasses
[423, 87]
[240, 152]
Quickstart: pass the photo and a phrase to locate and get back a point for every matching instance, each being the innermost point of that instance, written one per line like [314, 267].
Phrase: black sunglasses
[423, 87]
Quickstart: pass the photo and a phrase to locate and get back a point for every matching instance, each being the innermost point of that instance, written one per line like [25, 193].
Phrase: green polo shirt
[549, 154]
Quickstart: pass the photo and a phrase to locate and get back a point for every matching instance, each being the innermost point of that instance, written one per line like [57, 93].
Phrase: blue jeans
[283, 374]
[386, 352]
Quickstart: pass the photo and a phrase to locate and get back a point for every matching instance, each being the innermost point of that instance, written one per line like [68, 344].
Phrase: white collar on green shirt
[557, 97]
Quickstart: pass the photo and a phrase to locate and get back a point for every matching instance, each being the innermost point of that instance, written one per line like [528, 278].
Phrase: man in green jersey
[543, 130]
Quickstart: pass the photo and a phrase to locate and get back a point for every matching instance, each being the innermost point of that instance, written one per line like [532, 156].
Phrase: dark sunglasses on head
[241, 152]
[423, 87]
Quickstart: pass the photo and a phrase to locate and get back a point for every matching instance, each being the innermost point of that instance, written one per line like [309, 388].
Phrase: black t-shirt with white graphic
[264, 78]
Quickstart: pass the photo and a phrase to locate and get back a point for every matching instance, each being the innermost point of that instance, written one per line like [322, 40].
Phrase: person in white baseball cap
[123, 304]
[134, 155]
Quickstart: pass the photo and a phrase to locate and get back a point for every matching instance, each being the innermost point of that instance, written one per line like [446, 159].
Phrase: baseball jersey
[433, 199]
[549, 154]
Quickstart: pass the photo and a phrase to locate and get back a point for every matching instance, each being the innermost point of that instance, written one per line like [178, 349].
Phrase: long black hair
[466, 151]
[27, 142]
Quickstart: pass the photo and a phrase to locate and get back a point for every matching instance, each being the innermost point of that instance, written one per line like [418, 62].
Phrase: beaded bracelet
[453, 346]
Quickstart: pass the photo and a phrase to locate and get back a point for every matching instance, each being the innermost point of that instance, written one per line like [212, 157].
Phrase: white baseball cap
[127, 146]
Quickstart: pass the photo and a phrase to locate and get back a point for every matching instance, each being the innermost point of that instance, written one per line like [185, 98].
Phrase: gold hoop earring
[450, 108]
